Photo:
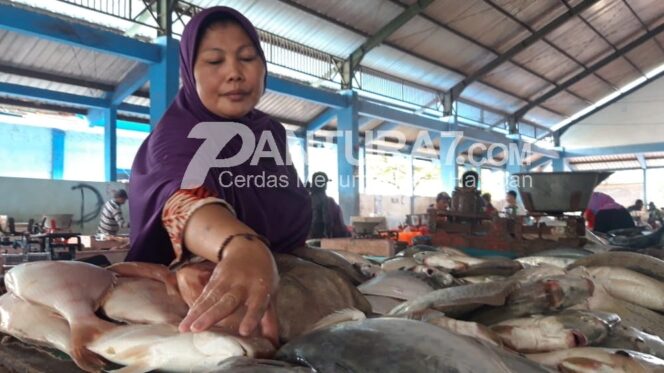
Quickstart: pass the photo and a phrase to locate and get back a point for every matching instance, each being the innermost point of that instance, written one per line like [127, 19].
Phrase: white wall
[635, 119]
[24, 198]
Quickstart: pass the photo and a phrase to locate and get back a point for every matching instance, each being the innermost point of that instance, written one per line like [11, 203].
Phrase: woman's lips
[236, 96]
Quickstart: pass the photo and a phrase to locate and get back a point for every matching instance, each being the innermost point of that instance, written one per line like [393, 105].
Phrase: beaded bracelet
[248, 236]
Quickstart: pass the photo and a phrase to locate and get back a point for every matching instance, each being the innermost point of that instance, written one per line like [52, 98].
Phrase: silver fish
[398, 345]
[643, 264]
[631, 286]
[629, 338]
[490, 267]
[542, 296]
[248, 365]
[403, 285]
[594, 359]
[494, 293]
[537, 260]
[398, 263]
[382, 305]
[567, 329]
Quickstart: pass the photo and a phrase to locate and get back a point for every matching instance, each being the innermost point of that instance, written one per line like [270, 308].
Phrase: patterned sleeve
[177, 211]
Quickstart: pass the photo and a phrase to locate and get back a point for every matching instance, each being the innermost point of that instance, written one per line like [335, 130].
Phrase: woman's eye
[216, 62]
[248, 58]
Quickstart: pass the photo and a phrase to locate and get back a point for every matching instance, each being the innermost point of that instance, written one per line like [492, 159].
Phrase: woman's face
[228, 70]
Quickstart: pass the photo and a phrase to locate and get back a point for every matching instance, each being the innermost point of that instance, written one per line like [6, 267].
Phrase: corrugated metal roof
[289, 108]
[46, 56]
[450, 34]
[294, 24]
[49, 85]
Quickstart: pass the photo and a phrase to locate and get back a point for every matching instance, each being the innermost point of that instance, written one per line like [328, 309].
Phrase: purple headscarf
[282, 213]
[600, 201]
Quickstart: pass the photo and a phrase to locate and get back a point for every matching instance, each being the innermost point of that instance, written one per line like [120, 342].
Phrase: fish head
[566, 291]
[586, 327]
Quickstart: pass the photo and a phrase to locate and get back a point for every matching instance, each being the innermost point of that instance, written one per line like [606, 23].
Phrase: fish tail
[83, 333]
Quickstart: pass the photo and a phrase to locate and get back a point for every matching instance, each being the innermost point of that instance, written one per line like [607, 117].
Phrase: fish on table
[630, 338]
[398, 345]
[631, 286]
[543, 333]
[142, 348]
[643, 264]
[595, 359]
[404, 285]
[156, 304]
[74, 290]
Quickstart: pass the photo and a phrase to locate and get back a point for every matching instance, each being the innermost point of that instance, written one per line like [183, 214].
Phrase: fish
[332, 260]
[567, 329]
[545, 295]
[595, 359]
[382, 305]
[631, 286]
[412, 250]
[144, 348]
[531, 274]
[33, 324]
[489, 267]
[481, 279]
[630, 314]
[439, 279]
[473, 295]
[242, 364]
[157, 272]
[398, 345]
[338, 317]
[74, 290]
[537, 260]
[402, 285]
[398, 263]
[467, 328]
[644, 264]
[353, 258]
[440, 260]
[141, 348]
[155, 303]
[566, 252]
[191, 280]
[630, 338]
[308, 292]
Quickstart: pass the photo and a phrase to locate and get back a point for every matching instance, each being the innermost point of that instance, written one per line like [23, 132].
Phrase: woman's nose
[234, 72]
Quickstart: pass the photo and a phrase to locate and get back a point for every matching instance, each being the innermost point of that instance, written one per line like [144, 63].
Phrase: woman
[235, 225]
[604, 214]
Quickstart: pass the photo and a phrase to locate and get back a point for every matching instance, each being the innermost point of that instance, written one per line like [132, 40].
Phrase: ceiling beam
[592, 69]
[44, 26]
[8, 68]
[642, 160]
[490, 49]
[407, 52]
[132, 82]
[552, 45]
[379, 37]
[527, 42]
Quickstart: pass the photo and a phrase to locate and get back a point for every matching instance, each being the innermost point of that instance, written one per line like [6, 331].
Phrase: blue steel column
[164, 78]
[558, 164]
[514, 164]
[110, 144]
[348, 147]
[305, 156]
[448, 163]
[57, 154]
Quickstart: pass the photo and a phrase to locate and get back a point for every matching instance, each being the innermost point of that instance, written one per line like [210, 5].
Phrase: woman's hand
[247, 277]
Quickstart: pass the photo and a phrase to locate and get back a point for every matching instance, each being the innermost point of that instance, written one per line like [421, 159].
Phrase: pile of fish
[430, 309]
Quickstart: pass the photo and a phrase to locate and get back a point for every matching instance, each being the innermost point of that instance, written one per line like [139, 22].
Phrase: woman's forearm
[208, 227]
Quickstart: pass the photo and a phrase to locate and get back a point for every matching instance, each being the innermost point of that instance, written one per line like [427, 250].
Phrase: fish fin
[82, 334]
[348, 314]
[135, 368]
